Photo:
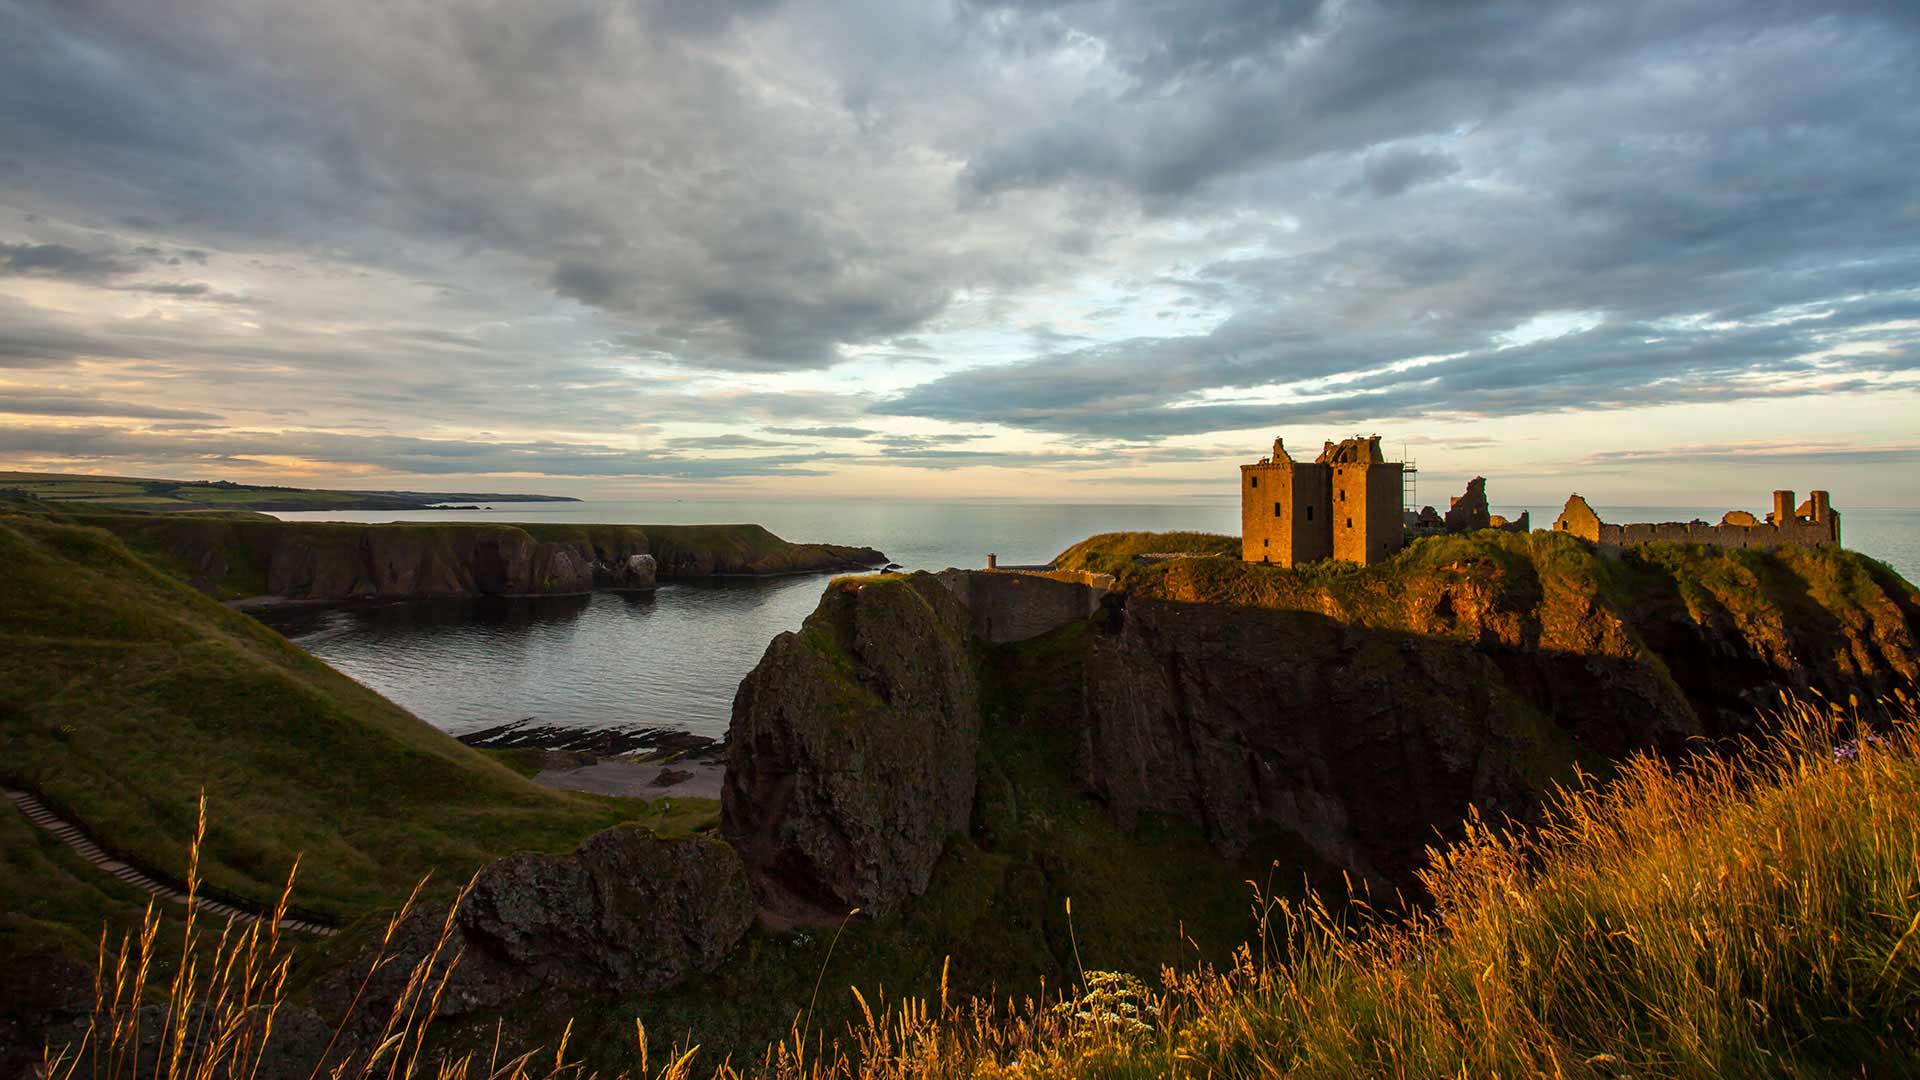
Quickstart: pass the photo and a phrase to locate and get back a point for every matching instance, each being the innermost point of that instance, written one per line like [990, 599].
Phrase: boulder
[635, 573]
[625, 912]
[851, 756]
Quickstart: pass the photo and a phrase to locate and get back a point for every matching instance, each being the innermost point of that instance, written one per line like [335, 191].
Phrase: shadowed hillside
[124, 693]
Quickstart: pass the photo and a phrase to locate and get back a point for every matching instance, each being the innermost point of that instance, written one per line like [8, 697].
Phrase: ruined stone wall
[1736, 530]
[1007, 605]
[1805, 534]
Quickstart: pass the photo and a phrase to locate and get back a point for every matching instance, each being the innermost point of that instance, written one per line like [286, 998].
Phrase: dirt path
[83, 846]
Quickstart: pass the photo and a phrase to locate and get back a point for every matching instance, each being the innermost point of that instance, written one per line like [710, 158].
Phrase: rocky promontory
[267, 562]
[1364, 712]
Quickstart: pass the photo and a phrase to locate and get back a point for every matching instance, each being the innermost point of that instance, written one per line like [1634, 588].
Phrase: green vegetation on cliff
[124, 693]
[1113, 553]
[1709, 626]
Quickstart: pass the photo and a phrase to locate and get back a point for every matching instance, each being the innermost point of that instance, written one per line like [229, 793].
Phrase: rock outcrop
[851, 755]
[625, 912]
[1366, 713]
[635, 573]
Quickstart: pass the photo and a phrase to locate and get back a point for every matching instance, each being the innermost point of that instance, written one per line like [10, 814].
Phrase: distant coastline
[143, 494]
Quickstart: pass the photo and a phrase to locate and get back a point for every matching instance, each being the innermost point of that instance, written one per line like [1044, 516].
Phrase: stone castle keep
[1348, 504]
[1345, 505]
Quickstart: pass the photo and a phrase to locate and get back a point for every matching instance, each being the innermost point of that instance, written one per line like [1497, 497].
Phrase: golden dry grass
[1745, 915]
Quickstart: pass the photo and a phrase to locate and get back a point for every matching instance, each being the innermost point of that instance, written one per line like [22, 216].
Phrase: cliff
[1360, 710]
[851, 752]
[269, 561]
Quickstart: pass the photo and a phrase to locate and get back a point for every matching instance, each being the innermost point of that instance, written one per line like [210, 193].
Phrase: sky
[1663, 253]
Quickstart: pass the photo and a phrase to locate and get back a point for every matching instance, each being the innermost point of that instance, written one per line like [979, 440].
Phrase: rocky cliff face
[321, 562]
[470, 561]
[1364, 709]
[1359, 709]
[1359, 741]
[851, 756]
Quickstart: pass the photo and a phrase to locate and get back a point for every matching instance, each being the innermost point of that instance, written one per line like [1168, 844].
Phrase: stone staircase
[83, 846]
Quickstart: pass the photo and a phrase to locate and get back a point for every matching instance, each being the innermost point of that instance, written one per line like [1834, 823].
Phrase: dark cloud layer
[1092, 219]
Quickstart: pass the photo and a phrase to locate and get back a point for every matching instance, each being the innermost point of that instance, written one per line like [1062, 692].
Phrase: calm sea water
[675, 658]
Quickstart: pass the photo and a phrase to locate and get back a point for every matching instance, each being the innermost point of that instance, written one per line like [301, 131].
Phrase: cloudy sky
[1664, 252]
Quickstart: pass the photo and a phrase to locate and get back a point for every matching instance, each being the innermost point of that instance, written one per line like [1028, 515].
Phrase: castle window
[1276, 509]
[1263, 541]
[1255, 481]
[1309, 511]
[1343, 494]
[1349, 523]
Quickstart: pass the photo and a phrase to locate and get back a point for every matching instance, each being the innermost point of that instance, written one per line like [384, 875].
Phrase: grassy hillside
[124, 693]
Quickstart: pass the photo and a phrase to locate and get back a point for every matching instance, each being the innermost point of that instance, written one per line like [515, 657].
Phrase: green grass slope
[124, 693]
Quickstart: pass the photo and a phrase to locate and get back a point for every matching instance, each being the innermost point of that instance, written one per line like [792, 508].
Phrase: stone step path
[70, 834]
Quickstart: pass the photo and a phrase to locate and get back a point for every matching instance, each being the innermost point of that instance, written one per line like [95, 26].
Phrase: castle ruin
[1814, 523]
[1347, 504]
[1344, 505]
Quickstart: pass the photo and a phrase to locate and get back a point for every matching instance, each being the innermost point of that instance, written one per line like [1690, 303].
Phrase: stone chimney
[1821, 507]
[992, 560]
[1783, 508]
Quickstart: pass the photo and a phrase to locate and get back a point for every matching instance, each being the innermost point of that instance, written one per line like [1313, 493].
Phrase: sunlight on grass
[1752, 914]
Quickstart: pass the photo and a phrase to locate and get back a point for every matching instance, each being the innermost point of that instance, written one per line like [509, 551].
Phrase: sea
[674, 658]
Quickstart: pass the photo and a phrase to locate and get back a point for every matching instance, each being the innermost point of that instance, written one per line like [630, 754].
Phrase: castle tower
[1344, 505]
[1284, 510]
[1367, 525]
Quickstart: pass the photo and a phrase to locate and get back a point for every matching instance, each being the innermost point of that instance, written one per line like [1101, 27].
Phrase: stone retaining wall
[1009, 605]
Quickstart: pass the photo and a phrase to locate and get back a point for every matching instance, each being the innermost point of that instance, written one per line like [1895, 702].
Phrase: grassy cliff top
[1375, 595]
[124, 693]
[1112, 553]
